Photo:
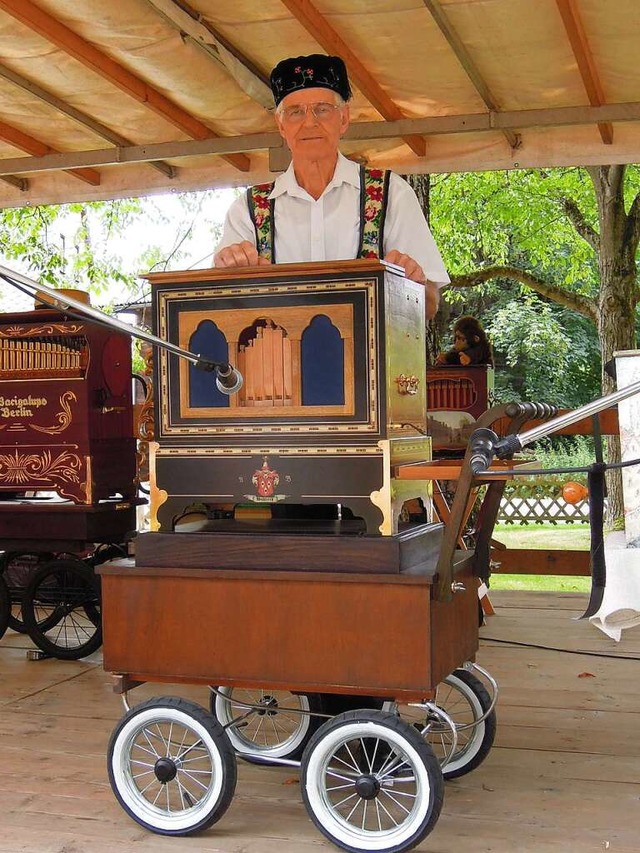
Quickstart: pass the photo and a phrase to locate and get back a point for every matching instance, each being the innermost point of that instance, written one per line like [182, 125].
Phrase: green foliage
[552, 453]
[516, 217]
[564, 451]
[543, 351]
[102, 246]
[68, 245]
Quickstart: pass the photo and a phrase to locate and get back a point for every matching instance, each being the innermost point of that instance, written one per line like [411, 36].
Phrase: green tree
[569, 235]
[542, 352]
[102, 246]
[68, 244]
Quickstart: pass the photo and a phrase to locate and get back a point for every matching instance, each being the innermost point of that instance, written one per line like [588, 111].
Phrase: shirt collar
[347, 172]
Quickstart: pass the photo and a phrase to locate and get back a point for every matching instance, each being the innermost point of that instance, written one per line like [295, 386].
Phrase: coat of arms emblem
[265, 480]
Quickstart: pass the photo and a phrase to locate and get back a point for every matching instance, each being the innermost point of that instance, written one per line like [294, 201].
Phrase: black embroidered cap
[309, 72]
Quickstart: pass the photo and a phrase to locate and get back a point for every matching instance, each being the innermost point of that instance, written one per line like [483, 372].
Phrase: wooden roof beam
[33, 146]
[86, 121]
[192, 26]
[372, 130]
[13, 180]
[464, 58]
[51, 29]
[325, 35]
[579, 44]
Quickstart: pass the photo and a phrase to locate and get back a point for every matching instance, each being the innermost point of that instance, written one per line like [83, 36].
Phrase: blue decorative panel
[322, 363]
[207, 341]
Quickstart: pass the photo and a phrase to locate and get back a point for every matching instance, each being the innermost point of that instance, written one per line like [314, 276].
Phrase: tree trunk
[616, 300]
[421, 185]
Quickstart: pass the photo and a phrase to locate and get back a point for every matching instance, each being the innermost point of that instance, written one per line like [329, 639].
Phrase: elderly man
[326, 207]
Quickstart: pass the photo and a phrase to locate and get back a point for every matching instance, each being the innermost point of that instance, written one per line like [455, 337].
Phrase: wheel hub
[165, 770]
[269, 706]
[368, 787]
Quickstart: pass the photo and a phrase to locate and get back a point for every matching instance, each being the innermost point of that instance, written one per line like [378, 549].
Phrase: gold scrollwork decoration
[407, 384]
[64, 417]
[46, 329]
[23, 468]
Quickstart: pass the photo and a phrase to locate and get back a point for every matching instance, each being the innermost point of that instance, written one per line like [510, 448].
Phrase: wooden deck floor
[564, 774]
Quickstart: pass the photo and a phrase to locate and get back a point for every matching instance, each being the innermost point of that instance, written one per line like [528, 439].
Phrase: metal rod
[62, 302]
[576, 415]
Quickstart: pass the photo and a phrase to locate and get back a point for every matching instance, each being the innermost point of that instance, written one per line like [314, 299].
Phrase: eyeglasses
[321, 111]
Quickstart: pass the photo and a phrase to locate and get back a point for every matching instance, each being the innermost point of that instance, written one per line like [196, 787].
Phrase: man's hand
[414, 271]
[242, 254]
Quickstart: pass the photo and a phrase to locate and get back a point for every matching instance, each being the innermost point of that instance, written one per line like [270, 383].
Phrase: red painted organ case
[65, 408]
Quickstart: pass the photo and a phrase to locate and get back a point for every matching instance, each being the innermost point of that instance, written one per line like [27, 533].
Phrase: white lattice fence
[516, 510]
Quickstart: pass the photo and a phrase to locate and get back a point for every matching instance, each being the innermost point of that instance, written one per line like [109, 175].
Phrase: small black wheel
[278, 726]
[61, 609]
[18, 568]
[5, 606]
[466, 700]
[171, 766]
[371, 783]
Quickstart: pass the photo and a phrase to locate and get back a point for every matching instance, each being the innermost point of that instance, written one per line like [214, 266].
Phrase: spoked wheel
[171, 766]
[371, 783]
[465, 699]
[5, 607]
[278, 725]
[61, 609]
[18, 568]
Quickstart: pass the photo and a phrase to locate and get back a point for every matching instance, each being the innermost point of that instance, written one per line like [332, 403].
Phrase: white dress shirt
[328, 229]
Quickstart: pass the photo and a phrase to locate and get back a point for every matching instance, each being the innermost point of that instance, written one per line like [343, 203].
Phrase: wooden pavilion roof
[108, 98]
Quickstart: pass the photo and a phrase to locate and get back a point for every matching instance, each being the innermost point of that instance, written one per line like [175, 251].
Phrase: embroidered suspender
[374, 191]
[262, 213]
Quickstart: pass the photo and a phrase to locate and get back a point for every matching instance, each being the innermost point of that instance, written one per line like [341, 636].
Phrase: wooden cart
[329, 605]
[287, 641]
[67, 471]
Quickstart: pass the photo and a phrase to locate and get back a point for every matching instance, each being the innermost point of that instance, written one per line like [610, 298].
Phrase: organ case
[333, 359]
[65, 408]
[456, 397]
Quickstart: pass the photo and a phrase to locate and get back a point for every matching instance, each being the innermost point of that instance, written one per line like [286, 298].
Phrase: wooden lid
[45, 301]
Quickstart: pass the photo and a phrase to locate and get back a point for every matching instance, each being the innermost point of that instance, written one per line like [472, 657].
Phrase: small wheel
[371, 783]
[18, 568]
[280, 727]
[171, 766]
[5, 606]
[465, 699]
[61, 609]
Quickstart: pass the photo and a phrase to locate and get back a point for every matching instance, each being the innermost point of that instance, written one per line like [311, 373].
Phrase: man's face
[308, 136]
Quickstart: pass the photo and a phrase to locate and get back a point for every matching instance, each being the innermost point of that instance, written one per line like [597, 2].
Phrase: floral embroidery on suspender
[374, 186]
[261, 212]
[374, 189]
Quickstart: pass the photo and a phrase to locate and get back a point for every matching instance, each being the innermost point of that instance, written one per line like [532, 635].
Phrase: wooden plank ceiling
[108, 98]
